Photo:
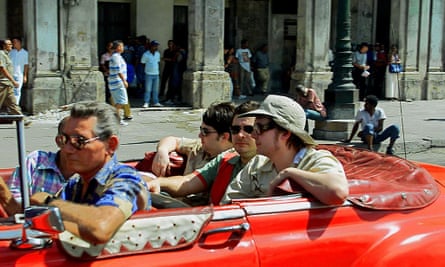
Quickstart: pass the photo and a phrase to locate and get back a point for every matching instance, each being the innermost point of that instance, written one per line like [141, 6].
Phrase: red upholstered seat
[379, 181]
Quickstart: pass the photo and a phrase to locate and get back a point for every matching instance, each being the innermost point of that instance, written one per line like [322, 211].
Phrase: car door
[224, 239]
[299, 231]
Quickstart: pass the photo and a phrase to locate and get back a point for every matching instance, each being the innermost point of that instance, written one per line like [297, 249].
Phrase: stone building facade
[64, 38]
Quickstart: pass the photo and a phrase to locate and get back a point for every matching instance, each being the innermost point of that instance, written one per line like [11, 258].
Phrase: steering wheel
[162, 201]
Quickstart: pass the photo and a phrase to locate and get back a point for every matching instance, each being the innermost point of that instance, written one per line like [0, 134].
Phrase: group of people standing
[371, 71]
[248, 71]
[138, 62]
[13, 74]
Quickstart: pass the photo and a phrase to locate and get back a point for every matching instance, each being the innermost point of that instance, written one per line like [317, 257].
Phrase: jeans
[18, 90]
[151, 88]
[313, 115]
[391, 132]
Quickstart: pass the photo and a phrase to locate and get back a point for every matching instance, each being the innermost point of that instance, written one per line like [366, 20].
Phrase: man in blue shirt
[361, 69]
[151, 58]
[111, 191]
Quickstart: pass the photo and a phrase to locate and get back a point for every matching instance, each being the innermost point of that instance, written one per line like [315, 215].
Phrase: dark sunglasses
[235, 129]
[205, 131]
[261, 128]
[77, 141]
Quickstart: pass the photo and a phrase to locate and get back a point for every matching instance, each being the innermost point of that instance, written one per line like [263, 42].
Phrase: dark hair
[61, 125]
[142, 39]
[372, 100]
[219, 116]
[363, 45]
[246, 107]
[116, 43]
[295, 141]
[107, 117]
[17, 38]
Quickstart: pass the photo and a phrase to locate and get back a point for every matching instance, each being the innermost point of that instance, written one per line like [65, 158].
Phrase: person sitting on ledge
[371, 119]
[311, 103]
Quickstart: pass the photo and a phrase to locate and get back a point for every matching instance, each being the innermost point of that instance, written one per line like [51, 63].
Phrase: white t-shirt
[19, 59]
[366, 118]
[243, 55]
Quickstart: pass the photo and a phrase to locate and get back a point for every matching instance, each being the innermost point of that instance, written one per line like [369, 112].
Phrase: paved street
[422, 123]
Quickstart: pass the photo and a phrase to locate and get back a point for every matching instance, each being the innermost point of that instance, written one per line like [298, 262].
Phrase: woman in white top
[391, 79]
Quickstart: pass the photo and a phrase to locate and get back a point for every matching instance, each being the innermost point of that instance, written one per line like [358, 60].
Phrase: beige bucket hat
[285, 112]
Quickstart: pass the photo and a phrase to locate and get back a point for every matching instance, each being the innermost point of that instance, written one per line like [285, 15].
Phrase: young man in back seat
[214, 138]
[214, 176]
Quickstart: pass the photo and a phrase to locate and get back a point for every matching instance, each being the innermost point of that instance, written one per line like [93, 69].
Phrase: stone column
[44, 81]
[341, 96]
[420, 37]
[81, 61]
[62, 44]
[436, 76]
[313, 32]
[205, 80]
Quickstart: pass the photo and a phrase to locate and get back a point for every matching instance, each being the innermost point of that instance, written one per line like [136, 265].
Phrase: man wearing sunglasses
[214, 138]
[279, 134]
[106, 192]
[214, 176]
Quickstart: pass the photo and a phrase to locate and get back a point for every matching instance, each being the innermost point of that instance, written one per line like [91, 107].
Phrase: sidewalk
[422, 124]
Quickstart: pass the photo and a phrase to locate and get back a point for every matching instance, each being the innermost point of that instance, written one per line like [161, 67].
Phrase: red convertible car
[394, 216]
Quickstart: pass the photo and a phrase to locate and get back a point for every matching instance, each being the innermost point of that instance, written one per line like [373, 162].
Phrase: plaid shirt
[42, 173]
[116, 184]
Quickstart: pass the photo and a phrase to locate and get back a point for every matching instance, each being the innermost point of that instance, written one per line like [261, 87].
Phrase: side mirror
[44, 218]
[41, 218]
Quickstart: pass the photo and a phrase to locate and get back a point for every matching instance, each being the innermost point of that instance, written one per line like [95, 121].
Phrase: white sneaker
[145, 105]
[157, 105]
[123, 123]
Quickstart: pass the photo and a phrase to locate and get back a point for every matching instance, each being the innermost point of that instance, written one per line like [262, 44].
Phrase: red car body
[288, 230]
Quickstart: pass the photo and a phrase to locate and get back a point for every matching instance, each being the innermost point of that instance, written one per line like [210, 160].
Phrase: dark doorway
[377, 82]
[383, 22]
[180, 26]
[114, 23]
[15, 18]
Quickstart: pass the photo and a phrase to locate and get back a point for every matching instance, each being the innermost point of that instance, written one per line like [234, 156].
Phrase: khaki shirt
[6, 63]
[196, 156]
[254, 179]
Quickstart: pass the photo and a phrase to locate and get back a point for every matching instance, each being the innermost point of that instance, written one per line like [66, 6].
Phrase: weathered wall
[3, 21]
[62, 44]
[205, 80]
[154, 19]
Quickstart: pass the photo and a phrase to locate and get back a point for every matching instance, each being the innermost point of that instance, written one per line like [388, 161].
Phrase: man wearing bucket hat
[279, 134]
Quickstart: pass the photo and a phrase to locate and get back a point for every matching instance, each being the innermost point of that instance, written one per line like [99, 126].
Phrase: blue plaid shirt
[116, 184]
[43, 175]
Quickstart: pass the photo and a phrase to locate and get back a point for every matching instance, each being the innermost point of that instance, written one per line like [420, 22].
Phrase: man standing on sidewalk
[243, 55]
[7, 82]
[151, 59]
[261, 63]
[19, 58]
